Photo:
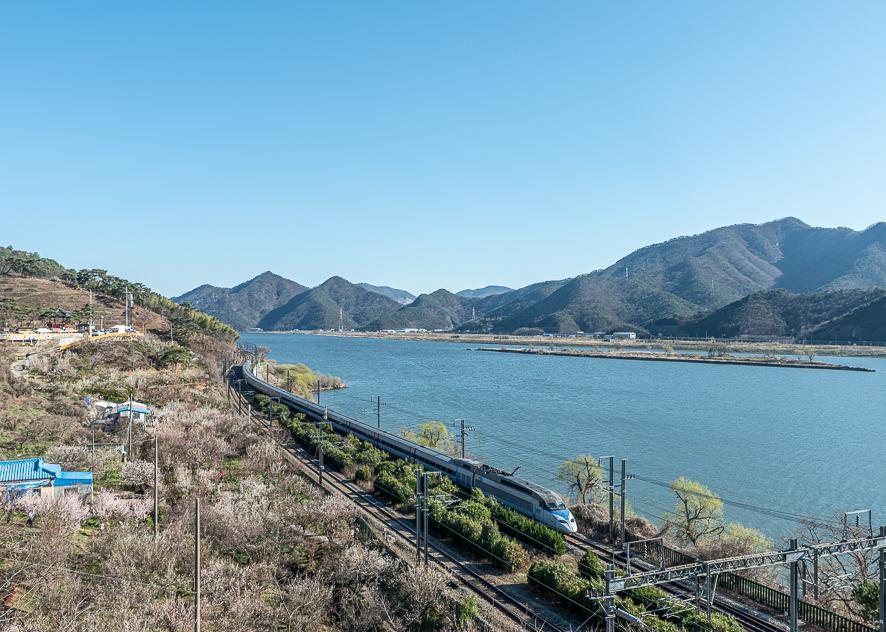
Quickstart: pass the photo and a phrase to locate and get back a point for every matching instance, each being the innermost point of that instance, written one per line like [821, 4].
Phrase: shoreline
[649, 356]
[758, 348]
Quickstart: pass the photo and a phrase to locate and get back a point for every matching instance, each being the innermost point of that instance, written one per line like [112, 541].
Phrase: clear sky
[427, 144]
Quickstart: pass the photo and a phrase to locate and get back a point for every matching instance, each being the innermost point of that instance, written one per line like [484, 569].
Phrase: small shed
[46, 479]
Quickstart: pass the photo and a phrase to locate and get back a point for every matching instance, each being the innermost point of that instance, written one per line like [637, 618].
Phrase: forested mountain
[401, 296]
[591, 303]
[242, 307]
[438, 310]
[24, 302]
[483, 292]
[773, 313]
[864, 323]
[318, 308]
[684, 279]
[720, 266]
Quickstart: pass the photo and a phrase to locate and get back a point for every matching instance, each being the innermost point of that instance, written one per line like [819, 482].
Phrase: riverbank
[701, 346]
[679, 357]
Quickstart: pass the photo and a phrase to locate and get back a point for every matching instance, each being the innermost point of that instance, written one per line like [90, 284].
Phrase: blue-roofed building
[46, 479]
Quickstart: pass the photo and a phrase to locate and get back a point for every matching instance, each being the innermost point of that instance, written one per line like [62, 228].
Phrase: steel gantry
[793, 557]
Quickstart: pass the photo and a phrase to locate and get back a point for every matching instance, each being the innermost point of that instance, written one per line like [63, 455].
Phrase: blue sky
[427, 145]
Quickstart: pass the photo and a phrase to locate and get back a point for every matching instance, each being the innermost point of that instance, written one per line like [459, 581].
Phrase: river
[802, 442]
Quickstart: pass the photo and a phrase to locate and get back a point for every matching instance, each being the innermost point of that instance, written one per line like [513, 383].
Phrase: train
[521, 495]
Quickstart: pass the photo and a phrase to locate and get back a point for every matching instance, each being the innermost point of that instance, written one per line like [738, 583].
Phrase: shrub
[363, 473]
[466, 611]
[510, 553]
[524, 529]
[590, 566]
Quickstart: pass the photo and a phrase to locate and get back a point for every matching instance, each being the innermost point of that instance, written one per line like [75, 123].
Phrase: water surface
[805, 442]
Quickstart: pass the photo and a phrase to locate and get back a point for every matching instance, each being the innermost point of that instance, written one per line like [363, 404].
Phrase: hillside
[445, 310]
[32, 284]
[769, 313]
[483, 292]
[866, 323]
[723, 265]
[591, 303]
[318, 308]
[401, 296]
[438, 310]
[243, 306]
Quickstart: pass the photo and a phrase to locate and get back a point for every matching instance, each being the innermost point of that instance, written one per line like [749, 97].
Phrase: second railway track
[499, 599]
[748, 621]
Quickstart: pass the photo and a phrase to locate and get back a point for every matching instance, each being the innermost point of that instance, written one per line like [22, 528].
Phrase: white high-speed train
[521, 495]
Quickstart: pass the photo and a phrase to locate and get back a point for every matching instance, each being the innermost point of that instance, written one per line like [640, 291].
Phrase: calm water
[804, 442]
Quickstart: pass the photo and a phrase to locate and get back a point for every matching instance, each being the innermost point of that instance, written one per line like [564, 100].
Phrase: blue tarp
[14, 473]
[28, 469]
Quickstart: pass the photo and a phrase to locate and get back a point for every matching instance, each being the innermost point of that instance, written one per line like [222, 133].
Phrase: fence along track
[749, 622]
[499, 599]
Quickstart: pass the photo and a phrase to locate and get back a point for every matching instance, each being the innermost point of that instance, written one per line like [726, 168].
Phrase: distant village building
[46, 479]
[622, 335]
[110, 414]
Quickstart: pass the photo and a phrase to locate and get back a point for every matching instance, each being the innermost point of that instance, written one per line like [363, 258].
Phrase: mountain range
[715, 281]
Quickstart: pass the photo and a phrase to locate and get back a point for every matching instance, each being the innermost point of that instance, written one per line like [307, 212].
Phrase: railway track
[511, 607]
[749, 622]
[502, 601]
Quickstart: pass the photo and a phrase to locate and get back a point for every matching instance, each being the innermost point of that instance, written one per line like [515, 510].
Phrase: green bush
[526, 530]
[363, 473]
[590, 566]
[466, 612]
[695, 622]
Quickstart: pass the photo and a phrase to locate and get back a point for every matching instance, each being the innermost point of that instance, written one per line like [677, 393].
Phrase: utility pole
[610, 599]
[320, 424]
[417, 517]
[197, 569]
[623, 464]
[794, 591]
[377, 400]
[611, 496]
[129, 452]
[156, 509]
[318, 391]
[427, 511]
[464, 433]
[883, 583]
[90, 314]
[126, 304]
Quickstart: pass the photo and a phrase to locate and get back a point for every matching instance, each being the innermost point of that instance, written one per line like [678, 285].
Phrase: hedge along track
[748, 621]
[499, 599]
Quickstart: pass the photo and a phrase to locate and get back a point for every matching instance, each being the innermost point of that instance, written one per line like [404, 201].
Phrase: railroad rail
[479, 584]
[499, 599]
[748, 621]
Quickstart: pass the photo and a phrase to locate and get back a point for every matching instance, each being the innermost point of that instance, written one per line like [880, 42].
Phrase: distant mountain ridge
[243, 306]
[401, 296]
[683, 279]
[334, 302]
[483, 292]
[723, 265]
[771, 313]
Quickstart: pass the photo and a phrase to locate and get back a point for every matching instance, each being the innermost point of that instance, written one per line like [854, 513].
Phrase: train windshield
[553, 505]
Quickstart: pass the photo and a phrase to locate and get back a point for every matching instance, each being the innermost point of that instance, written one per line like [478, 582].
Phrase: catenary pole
[610, 600]
[794, 591]
[883, 583]
[623, 465]
[427, 511]
[417, 517]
